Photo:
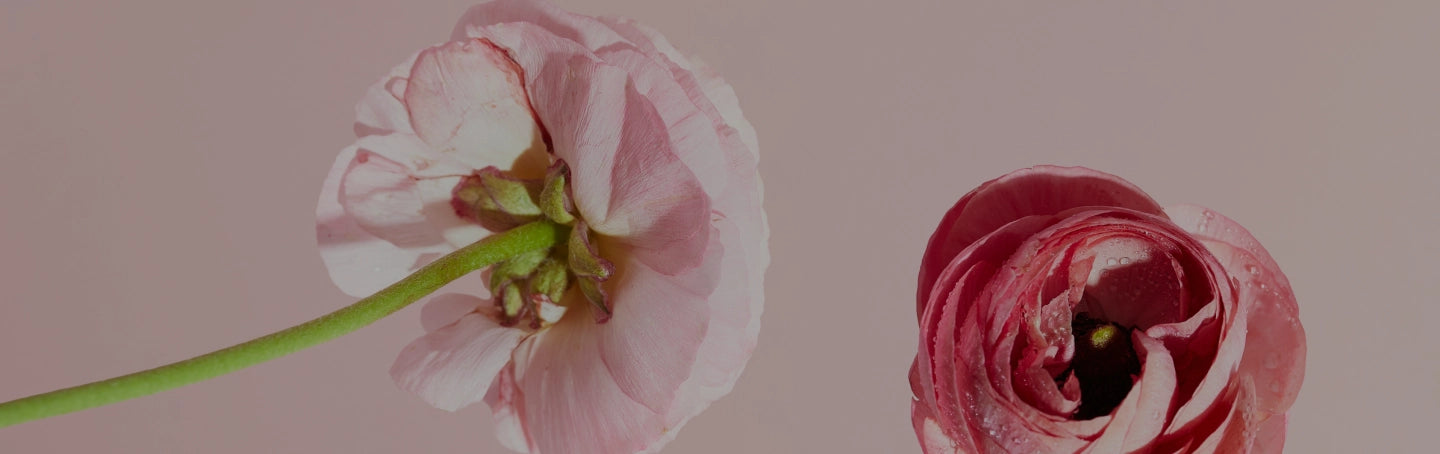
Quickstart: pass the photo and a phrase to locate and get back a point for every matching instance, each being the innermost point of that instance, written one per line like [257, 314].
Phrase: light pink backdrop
[160, 162]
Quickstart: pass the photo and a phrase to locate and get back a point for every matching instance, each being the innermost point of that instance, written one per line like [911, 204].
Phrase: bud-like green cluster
[530, 286]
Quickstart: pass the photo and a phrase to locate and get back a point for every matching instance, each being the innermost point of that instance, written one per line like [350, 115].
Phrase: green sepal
[554, 199]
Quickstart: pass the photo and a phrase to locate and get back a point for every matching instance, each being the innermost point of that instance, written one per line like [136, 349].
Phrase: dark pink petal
[1274, 357]
[1142, 416]
[1041, 190]
[1236, 434]
[1130, 268]
[933, 439]
[1271, 436]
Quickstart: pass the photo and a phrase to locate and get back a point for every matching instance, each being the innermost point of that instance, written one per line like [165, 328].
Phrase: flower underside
[531, 287]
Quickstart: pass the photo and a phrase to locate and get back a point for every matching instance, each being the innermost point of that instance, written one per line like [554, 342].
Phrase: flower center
[1105, 364]
[532, 287]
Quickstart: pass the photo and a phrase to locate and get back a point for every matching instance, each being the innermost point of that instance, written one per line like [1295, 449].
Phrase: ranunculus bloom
[662, 171]
[1063, 310]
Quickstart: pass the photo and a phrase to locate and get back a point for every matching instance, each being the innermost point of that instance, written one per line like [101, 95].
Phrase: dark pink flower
[1063, 310]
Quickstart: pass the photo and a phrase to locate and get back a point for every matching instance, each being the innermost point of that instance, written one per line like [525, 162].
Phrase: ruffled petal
[693, 135]
[382, 111]
[1140, 418]
[380, 216]
[1274, 357]
[650, 343]
[623, 380]
[467, 100]
[628, 181]
[933, 439]
[1237, 433]
[454, 366]
[734, 309]
[709, 91]
[580, 406]
[1041, 190]
[507, 403]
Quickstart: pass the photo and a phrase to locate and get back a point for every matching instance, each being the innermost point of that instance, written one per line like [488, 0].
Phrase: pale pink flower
[662, 170]
[1063, 310]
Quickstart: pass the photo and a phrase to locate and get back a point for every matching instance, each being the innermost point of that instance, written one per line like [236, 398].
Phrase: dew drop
[1275, 386]
[1125, 261]
[1263, 286]
[1111, 261]
[1255, 270]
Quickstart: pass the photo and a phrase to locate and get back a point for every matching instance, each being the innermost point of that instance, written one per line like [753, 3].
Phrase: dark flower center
[1105, 364]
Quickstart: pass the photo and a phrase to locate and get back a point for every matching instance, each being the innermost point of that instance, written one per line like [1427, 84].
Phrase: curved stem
[491, 250]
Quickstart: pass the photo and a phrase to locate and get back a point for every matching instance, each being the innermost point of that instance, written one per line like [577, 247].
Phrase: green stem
[530, 237]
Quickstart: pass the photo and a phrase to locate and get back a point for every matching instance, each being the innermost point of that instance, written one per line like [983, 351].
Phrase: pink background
[160, 162]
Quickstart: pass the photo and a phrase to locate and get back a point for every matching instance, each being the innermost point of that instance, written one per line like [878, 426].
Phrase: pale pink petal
[382, 111]
[734, 323]
[507, 404]
[709, 91]
[1040, 190]
[650, 343]
[453, 366]
[727, 103]
[380, 217]
[693, 135]
[467, 100]
[628, 181]
[360, 263]
[615, 385]
[385, 200]
[444, 309]
[577, 404]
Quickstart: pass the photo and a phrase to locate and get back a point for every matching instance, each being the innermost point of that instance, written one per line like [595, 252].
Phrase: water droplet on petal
[1275, 386]
[1252, 269]
[1125, 261]
[1111, 261]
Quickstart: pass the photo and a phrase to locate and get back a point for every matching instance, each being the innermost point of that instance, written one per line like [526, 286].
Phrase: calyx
[532, 287]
